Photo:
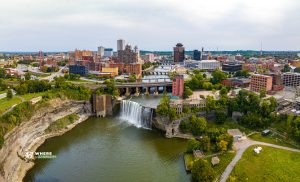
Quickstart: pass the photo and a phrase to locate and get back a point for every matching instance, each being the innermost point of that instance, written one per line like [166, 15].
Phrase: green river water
[107, 149]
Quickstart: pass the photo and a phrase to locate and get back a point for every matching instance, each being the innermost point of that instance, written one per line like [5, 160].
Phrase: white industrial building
[209, 64]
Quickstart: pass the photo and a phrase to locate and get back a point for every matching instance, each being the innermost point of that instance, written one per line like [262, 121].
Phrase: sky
[64, 25]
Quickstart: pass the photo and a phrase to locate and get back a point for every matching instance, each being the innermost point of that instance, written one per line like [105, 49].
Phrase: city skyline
[155, 25]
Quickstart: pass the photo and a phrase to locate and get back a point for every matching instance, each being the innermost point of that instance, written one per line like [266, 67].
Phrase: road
[241, 146]
[53, 75]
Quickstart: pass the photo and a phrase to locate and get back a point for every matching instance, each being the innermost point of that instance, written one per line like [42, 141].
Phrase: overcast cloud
[60, 25]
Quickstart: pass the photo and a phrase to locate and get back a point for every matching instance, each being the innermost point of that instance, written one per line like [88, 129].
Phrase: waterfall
[136, 114]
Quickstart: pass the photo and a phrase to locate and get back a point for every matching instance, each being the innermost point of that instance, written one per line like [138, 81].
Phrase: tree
[202, 171]
[27, 76]
[205, 143]
[222, 145]
[172, 114]
[198, 125]
[164, 105]
[185, 126]
[132, 78]
[286, 68]
[218, 76]
[9, 94]
[242, 73]
[220, 117]
[44, 69]
[210, 103]
[3, 86]
[223, 91]
[192, 145]
[295, 129]
[2, 73]
[187, 92]
[262, 93]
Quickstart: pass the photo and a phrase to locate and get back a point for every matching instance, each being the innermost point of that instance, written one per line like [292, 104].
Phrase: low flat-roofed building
[231, 67]
[236, 82]
[209, 65]
[114, 71]
[178, 104]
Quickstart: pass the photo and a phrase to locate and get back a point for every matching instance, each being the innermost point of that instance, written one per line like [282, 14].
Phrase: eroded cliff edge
[29, 135]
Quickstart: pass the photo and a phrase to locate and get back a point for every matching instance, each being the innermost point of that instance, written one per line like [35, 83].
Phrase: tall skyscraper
[120, 44]
[196, 55]
[179, 53]
[101, 51]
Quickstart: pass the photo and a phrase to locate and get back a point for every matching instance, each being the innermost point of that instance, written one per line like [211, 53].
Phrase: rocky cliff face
[31, 134]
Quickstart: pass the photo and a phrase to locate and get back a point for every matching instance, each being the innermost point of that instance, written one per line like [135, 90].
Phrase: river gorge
[118, 148]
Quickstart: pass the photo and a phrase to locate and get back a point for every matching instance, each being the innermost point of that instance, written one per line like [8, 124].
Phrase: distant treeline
[242, 52]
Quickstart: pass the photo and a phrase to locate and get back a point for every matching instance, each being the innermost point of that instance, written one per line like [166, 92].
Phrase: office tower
[108, 52]
[101, 51]
[120, 44]
[179, 53]
[196, 55]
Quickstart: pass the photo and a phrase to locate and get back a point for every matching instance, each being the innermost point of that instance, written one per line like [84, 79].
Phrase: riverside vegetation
[24, 111]
[62, 123]
[256, 114]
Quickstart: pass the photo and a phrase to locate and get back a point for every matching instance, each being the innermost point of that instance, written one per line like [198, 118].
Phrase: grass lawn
[3, 91]
[80, 81]
[228, 125]
[29, 96]
[5, 103]
[272, 138]
[270, 165]
[225, 159]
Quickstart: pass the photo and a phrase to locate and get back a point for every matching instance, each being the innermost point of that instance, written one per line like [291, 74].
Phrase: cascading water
[136, 114]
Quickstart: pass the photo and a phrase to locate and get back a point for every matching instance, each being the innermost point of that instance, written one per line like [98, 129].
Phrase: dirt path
[241, 147]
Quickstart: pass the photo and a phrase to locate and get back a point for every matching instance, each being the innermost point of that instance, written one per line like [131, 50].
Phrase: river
[108, 149]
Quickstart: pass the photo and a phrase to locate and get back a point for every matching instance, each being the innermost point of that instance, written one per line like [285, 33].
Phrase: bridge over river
[144, 85]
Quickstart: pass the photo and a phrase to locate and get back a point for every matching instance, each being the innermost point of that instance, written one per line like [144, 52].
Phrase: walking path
[241, 146]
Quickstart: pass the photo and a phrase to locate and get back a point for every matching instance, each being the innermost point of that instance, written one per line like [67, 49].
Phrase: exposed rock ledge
[30, 135]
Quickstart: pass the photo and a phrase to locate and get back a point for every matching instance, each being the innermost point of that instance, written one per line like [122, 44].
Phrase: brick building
[128, 55]
[179, 53]
[260, 82]
[178, 86]
[277, 82]
[128, 68]
[236, 82]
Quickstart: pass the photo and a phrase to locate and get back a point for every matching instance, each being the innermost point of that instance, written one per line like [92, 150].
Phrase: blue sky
[61, 25]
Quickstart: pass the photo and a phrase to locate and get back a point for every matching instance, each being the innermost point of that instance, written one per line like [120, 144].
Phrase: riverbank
[31, 134]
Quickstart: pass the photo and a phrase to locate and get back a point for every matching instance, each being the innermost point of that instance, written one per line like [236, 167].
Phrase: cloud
[52, 25]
